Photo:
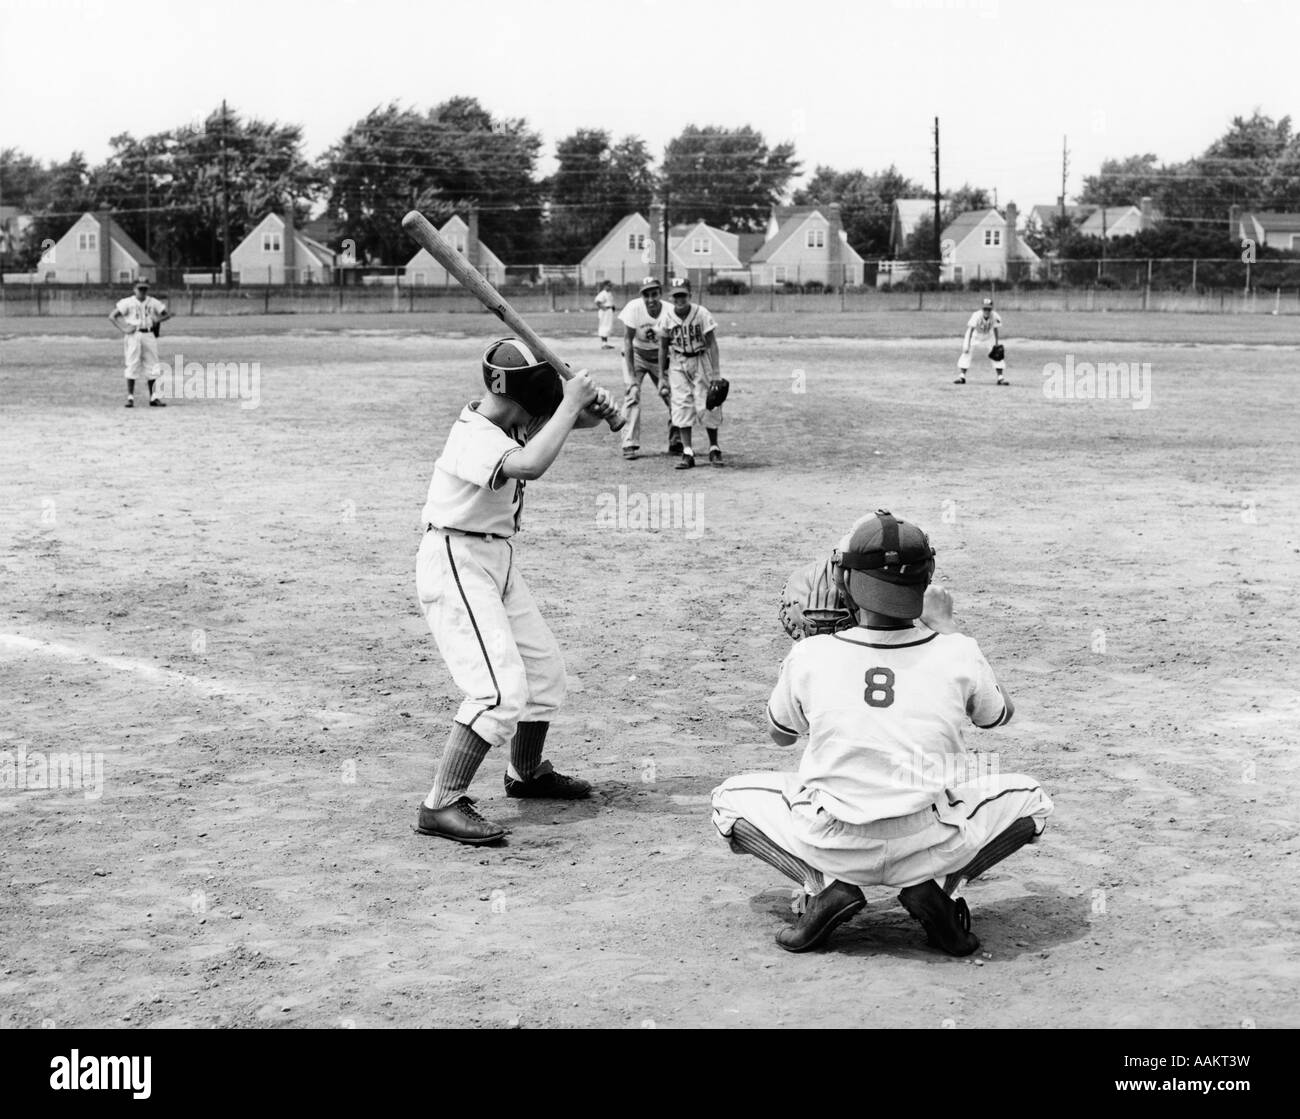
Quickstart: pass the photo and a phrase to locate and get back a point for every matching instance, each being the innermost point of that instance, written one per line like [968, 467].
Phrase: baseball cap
[988, 303]
[649, 282]
[141, 283]
[887, 564]
[681, 285]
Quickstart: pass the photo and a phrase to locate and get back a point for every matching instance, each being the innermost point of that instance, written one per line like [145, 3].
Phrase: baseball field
[222, 706]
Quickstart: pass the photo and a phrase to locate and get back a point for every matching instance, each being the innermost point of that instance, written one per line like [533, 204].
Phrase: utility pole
[667, 225]
[146, 205]
[938, 233]
[225, 205]
[1065, 168]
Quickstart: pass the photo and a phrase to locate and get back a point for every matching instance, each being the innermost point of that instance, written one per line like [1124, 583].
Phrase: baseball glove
[997, 353]
[718, 390]
[811, 602]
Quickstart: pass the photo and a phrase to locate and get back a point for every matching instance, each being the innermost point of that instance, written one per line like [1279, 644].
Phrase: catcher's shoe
[630, 452]
[824, 914]
[959, 380]
[130, 401]
[687, 462]
[156, 403]
[546, 784]
[715, 457]
[946, 922]
[460, 821]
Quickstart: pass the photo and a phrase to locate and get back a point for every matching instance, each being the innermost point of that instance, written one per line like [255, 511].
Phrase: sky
[852, 85]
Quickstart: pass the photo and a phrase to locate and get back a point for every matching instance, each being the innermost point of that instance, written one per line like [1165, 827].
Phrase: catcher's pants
[963, 362]
[633, 384]
[689, 377]
[497, 647]
[904, 851]
[141, 355]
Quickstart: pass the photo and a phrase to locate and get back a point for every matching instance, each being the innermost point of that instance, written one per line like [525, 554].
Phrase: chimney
[471, 238]
[105, 248]
[1010, 232]
[1146, 221]
[659, 239]
[1234, 221]
[834, 247]
[290, 244]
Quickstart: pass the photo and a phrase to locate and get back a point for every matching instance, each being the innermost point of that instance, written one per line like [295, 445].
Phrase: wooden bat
[458, 266]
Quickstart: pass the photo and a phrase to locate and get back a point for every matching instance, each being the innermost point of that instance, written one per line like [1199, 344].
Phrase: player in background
[605, 313]
[137, 318]
[688, 363]
[640, 320]
[885, 794]
[498, 649]
[982, 329]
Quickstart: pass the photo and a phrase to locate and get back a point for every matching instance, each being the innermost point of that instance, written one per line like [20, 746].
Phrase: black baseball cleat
[687, 462]
[1003, 381]
[959, 380]
[156, 403]
[715, 457]
[130, 402]
[825, 913]
[946, 922]
[459, 821]
[546, 784]
[630, 452]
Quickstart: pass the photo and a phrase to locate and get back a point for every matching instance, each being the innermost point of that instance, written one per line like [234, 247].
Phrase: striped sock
[526, 749]
[993, 852]
[461, 758]
[748, 840]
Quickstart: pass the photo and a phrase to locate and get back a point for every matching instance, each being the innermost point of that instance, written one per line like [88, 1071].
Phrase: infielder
[983, 327]
[688, 368]
[883, 795]
[605, 313]
[138, 317]
[497, 647]
[640, 319]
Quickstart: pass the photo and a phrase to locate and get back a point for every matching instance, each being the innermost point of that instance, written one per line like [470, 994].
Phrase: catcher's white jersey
[636, 317]
[879, 706]
[468, 492]
[686, 336]
[980, 327]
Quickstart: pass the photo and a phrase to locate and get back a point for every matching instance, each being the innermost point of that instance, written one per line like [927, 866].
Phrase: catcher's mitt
[997, 353]
[811, 602]
[718, 390]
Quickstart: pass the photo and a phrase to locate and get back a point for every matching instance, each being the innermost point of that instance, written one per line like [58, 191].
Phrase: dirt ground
[216, 603]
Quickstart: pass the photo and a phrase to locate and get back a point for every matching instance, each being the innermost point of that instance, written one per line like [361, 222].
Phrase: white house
[423, 271]
[1279, 231]
[979, 244]
[96, 250]
[277, 253]
[806, 244]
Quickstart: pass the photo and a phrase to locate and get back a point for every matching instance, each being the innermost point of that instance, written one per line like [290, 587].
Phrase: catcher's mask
[510, 369]
[885, 565]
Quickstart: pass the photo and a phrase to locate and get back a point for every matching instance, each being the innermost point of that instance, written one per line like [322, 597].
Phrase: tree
[866, 203]
[596, 184]
[728, 177]
[1122, 182]
[962, 201]
[21, 178]
[67, 192]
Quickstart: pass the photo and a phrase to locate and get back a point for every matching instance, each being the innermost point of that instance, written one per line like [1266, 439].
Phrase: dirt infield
[212, 607]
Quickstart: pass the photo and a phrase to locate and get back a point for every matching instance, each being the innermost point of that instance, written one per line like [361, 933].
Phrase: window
[778, 273]
[459, 242]
[419, 279]
[635, 242]
[816, 239]
[87, 242]
[123, 275]
[993, 237]
[270, 242]
[700, 246]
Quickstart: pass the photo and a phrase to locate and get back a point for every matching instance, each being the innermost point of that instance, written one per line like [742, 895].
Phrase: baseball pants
[633, 383]
[963, 362]
[141, 355]
[496, 645]
[900, 852]
[689, 377]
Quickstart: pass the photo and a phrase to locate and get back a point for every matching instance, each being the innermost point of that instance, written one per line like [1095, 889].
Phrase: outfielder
[497, 647]
[690, 373]
[605, 313]
[640, 319]
[884, 794]
[982, 328]
[139, 318]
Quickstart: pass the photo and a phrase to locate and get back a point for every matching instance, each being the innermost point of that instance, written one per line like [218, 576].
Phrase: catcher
[983, 327]
[690, 375]
[881, 684]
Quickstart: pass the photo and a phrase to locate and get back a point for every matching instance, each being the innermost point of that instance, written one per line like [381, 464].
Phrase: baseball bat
[472, 280]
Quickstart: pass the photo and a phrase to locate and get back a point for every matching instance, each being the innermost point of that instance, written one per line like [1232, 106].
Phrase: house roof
[912, 210]
[1076, 212]
[605, 241]
[124, 240]
[1108, 217]
[748, 244]
[322, 252]
[1277, 223]
[964, 224]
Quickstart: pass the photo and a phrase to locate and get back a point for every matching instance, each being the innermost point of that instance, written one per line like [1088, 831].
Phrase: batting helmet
[884, 565]
[510, 369]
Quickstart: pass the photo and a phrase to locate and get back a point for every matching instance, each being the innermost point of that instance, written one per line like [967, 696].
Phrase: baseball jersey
[141, 314]
[689, 335]
[604, 300]
[882, 709]
[468, 491]
[635, 317]
[983, 328]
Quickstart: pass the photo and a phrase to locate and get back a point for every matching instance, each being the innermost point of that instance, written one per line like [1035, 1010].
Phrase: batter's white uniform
[645, 363]
[689, 370]
[141, 347]
[979, 332]
[487, 626]
[885, 794]
[604, 314]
